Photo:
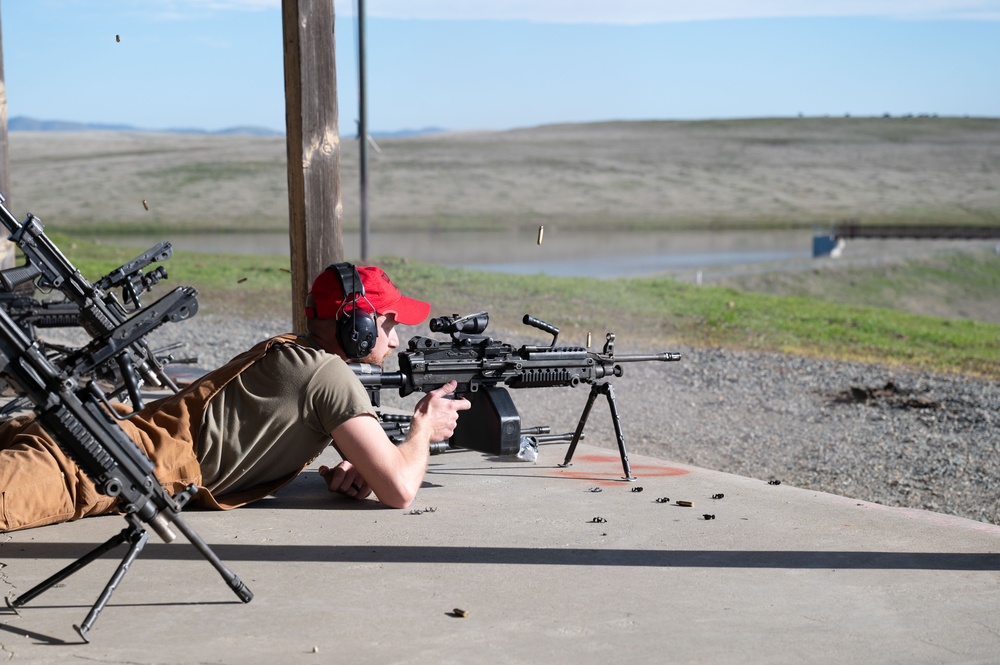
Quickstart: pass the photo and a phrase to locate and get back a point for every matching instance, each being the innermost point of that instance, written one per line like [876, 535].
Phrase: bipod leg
[234, 582]
[580, 425]
[94, 554]
[609, 391]
[137, 537]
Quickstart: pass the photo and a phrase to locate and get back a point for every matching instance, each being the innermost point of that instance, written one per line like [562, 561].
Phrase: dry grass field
[793, 172]
[620, 177]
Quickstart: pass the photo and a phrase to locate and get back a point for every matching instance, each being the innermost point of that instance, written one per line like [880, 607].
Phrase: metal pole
[363, 130]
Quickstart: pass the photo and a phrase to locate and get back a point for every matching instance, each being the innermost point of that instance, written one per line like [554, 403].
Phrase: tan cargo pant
[40, 484]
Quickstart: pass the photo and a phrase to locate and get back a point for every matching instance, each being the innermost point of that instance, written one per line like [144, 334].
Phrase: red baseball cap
[380, 294]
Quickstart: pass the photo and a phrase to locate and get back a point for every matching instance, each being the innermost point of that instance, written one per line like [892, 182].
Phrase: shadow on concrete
[845, 560]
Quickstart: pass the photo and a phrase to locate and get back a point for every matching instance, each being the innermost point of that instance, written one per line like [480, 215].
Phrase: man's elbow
[398, 497]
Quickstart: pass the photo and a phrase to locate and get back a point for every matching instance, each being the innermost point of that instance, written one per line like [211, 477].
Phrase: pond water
[566, 254]
[687, 255]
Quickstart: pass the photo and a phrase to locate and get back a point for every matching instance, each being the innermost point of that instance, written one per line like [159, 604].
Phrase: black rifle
[77, 418]
[130, 277]
[117, 331]
[484, 367]
[31, 313]
[397, 427]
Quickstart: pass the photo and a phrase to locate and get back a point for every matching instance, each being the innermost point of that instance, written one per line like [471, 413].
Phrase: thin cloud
[635, 12]
[624, 12]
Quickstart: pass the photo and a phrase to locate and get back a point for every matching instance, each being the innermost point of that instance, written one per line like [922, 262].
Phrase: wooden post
[313, 143]
[6, 248]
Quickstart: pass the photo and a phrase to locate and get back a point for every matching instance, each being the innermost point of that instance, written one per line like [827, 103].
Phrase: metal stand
[136, 536]
[609, 391]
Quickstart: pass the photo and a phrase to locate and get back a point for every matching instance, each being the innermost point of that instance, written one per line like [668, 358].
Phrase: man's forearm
[394, 473]
[417, 445]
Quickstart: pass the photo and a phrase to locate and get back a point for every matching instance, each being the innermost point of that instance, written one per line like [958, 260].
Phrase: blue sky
[498, 64]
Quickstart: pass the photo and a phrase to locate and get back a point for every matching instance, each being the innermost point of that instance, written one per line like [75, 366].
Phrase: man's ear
[324, 333]
[310, 306]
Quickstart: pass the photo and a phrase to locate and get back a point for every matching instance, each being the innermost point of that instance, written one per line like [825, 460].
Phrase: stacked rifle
[70, 388]
[109, 311]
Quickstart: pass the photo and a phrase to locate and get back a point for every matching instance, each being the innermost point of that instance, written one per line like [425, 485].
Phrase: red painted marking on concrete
[639, 470]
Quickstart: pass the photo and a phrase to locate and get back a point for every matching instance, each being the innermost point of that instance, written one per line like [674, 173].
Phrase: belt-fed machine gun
[484, 368]
[61, 385]
[77, 416]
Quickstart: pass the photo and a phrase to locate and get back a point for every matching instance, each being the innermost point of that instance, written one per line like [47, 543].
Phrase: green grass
[644, 313]
[234, 284]
[955, 284]
[663, 311]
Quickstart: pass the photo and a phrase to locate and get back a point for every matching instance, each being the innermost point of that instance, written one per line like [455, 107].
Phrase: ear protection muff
[357, 329]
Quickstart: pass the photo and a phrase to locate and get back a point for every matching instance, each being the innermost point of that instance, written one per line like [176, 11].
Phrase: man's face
[385, 343]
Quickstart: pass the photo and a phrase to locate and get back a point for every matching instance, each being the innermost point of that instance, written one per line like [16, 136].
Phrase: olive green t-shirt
[276, 417]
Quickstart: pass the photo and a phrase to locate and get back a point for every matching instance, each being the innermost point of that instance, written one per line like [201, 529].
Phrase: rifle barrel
[666, 356]
[373, 376]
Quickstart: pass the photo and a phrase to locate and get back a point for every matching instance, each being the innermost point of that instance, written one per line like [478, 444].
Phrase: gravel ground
[865, 431]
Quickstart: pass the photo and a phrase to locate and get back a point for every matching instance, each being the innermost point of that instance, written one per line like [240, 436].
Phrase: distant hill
[403, 133]
[24, 124]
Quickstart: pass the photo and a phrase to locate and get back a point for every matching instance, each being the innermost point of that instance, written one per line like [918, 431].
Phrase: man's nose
[393, 339]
